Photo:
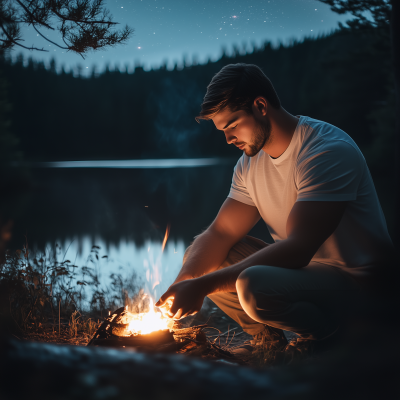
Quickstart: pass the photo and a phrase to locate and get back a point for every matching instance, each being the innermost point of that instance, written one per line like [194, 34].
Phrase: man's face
[244, 130]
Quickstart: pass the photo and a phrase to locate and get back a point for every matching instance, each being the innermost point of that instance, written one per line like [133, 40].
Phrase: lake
[123, 208]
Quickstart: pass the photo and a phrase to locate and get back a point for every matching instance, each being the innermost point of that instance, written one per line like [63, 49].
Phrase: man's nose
[230, 138]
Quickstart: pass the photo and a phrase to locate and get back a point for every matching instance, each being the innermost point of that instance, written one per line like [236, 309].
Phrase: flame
[154, 274]
[165, 238]
[154, 277]
[144, 323]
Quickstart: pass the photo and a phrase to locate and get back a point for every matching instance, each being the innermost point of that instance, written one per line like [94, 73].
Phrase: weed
[36, 291]
[74, 323]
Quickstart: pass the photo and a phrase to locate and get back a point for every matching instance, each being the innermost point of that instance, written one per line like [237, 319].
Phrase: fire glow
[145, 323]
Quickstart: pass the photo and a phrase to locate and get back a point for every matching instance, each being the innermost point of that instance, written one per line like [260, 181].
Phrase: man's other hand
[187, 298]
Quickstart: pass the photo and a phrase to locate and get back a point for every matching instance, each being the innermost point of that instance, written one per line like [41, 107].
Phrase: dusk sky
[168, 30]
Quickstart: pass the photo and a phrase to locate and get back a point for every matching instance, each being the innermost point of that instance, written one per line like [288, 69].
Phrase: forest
[342, 78]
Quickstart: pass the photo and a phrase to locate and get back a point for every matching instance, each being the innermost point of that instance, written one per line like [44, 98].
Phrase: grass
[45, 299]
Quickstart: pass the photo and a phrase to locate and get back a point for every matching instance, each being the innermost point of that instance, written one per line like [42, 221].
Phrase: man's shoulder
[324, 147]
[319, 136]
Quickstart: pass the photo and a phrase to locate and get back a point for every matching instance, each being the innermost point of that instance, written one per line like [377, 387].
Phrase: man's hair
[236, 87]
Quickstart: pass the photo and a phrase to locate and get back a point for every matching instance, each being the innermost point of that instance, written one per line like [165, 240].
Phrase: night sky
[169, 30]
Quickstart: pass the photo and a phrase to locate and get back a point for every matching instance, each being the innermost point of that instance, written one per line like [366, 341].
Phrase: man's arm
[309, 224]
[210, 249]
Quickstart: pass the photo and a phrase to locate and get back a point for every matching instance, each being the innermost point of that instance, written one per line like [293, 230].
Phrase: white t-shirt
[321, 163]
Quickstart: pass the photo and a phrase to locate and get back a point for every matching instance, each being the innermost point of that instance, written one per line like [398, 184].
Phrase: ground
[223, 331]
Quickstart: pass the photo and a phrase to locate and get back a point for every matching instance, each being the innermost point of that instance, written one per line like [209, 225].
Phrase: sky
[171, 30]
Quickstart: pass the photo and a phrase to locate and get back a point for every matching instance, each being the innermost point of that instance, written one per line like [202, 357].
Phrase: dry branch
[191, 341]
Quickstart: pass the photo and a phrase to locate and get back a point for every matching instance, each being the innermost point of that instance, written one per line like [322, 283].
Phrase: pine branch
[55, 44]
[85, 24]
[13, 41]
[76, 14]
[31, 18]
[380, 11]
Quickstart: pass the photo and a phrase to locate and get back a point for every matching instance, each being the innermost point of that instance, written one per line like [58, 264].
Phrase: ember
[123, 328]
[143, 323]
[115, 332]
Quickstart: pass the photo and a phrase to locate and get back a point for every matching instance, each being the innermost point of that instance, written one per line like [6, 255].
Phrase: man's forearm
[207, 253]
[285, 254]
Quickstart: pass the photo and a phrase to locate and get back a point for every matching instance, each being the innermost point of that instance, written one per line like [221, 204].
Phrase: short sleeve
[239, 190]
[329, 171]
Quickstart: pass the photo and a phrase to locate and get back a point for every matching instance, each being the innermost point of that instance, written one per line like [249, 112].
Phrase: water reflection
[153, 269]
[125, 211]
[120, 204]
[156, 163]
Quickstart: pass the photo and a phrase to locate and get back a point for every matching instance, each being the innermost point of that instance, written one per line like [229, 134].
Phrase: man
[310, 183]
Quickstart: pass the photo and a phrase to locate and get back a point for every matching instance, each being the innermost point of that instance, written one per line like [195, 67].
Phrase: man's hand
[188, 297]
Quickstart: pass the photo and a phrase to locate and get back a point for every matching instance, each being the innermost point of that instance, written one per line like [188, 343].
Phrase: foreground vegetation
[46, 299]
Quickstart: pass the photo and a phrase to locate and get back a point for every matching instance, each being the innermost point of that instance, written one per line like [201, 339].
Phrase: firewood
[195, 349]
[104, 331]
[113, 333]
[195, 332]
[120, 331]
[153, 339]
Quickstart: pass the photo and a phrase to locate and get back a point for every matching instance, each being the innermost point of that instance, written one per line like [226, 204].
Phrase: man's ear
[261, 105]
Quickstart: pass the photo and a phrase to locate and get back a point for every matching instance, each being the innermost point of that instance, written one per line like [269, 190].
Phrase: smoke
[174, 105]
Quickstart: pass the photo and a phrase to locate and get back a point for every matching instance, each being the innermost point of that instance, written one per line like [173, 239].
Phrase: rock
[52, 372]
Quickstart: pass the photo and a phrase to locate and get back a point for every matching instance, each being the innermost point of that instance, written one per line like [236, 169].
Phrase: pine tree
[84, 25]
[8, 142]
[384, 21]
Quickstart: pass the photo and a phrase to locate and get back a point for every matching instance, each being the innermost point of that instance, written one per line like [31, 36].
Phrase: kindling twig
[247, 341]
[59, 317]
[231, 339]
[222, 334]
[226, 341]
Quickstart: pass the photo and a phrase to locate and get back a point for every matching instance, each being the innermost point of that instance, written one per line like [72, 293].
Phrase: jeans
[312, 301]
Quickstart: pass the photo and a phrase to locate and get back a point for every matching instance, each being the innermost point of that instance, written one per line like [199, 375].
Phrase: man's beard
[261, 136]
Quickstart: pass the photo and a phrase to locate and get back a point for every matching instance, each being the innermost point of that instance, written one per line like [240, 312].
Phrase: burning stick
[165, 237]
[191, 341]
[117, 331]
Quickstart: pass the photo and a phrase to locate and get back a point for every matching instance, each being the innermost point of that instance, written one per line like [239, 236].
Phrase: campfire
[125, 329]
[151, 331]
[140, 329]
[143, 330]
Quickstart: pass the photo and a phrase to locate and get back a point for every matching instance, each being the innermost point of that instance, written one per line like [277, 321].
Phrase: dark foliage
[345, 79]
[8, 141]
[84, 25]
[367, 14]
[380, 18]
[38, 290]
[117, 114]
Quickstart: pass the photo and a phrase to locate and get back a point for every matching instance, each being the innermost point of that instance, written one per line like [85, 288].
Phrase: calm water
[124, 209]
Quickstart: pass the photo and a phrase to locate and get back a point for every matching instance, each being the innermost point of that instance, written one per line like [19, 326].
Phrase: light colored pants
[312, 301]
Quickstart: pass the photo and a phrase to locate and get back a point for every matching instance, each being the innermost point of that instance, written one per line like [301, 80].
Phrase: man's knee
[256, 291]
[246, 284]
[249, 279]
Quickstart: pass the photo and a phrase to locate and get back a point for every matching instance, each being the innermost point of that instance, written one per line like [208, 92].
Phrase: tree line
[340, 78]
